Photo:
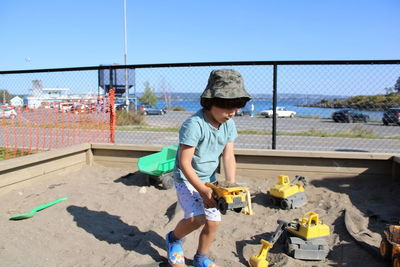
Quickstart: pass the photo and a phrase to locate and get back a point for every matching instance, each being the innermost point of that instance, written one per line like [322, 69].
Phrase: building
[16, 101]
[49, 97]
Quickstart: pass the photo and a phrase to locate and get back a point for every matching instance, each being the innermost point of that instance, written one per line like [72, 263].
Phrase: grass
[12, 154]
[355, 132]
[255, 132]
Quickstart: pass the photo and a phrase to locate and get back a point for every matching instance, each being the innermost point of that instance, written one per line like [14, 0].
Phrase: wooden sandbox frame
[250, 162]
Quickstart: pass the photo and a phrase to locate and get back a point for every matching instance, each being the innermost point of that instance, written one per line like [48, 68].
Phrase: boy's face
[221, 115]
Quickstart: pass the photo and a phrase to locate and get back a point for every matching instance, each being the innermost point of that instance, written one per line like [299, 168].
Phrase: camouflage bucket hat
[225, 83]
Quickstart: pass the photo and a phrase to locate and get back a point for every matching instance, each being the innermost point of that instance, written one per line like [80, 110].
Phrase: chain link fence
[320, 105]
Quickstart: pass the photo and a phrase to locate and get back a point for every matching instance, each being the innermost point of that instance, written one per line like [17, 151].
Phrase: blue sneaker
[175, 251]
[205, 262]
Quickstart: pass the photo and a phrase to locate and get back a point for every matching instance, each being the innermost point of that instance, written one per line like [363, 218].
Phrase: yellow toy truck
[229, 198]
[390, 244]
[286, 194]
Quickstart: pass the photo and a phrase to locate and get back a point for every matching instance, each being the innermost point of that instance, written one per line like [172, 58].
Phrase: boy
[203, 137]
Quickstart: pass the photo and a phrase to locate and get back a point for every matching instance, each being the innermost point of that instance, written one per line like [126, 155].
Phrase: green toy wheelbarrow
[159, 166]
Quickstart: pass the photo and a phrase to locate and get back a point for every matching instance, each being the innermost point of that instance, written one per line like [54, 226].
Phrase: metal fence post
[274, 104]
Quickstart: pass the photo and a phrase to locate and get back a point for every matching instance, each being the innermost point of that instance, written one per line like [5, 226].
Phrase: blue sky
[73, 33]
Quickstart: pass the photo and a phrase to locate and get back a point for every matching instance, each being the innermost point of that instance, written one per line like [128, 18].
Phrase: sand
[115, 218]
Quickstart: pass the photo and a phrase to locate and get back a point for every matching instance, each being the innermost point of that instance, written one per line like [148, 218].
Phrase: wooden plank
[313, 154]
[100, 153]
[267, 175]
[42, 156]
[115, 164]
[115, 147]
[31, 171]
[115, 159]
[41, 179]
[377, 169]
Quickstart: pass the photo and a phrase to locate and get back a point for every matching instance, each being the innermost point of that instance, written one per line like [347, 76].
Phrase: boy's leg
[186, 226]
[207, 236]
[192, 204]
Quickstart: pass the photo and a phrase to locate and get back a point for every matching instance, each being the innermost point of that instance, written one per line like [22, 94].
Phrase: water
[259, 105]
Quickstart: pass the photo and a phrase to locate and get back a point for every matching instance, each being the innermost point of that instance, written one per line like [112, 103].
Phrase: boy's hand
[208, 198]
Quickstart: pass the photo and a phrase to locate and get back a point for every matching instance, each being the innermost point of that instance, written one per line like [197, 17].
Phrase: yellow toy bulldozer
[390, 244]
[286, 194]
[230, 198]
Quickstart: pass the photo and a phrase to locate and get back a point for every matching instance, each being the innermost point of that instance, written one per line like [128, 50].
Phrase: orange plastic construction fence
[28, 130]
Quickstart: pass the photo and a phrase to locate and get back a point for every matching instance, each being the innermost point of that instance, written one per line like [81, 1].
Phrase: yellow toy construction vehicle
[306, 238]
[229, 198]
[390, 244]
[260, 260]
[286, 194]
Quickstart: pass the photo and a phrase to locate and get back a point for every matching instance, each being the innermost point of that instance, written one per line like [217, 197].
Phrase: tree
[5, 96]
[148, 95]
[397, 86]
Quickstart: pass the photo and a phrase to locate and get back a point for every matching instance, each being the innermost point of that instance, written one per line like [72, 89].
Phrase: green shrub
[178, 109]
[127, 118]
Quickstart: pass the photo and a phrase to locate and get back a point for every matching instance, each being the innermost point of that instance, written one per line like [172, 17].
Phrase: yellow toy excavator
[305, 238]
[288, 194]
[260, 260]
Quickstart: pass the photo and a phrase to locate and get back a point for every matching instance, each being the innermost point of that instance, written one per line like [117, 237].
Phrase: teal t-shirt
[209, 142]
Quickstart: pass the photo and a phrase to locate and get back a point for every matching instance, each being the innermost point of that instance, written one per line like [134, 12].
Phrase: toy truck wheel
[385, 249]
[396, 260]
[167, 181]
[285, 204]
[238, 210]
[222, 205]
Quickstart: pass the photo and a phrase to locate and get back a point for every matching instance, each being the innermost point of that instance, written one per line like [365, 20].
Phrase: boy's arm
[229, 162]
[185, 164]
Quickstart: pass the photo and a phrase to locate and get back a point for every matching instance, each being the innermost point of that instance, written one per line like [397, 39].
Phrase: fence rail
[311, 90]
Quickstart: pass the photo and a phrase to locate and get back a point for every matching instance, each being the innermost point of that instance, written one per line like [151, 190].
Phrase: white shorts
[192, 203]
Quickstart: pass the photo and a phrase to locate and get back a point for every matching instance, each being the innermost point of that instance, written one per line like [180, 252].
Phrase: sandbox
[113, 217]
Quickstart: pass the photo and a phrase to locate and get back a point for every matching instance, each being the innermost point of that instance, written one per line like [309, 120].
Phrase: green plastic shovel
[34, 210]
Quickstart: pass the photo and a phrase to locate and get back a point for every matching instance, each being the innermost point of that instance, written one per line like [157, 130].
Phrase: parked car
[65, 107]
[146, 109]
[280, 112]
[348, 115]
[391, 115]
[120, 106]
[8, 113]
[80, 108]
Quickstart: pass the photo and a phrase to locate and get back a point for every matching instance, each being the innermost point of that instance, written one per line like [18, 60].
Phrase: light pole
[126, 60]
